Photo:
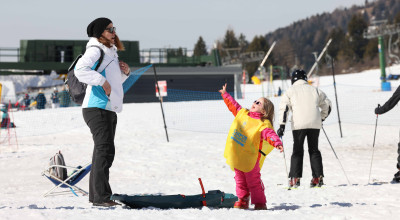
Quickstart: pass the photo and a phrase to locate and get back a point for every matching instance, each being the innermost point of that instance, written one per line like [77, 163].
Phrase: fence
[356, 106]
[206, 112]
[10, 54]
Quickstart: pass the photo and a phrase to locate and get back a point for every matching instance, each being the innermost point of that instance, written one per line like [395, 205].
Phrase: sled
[214, 198]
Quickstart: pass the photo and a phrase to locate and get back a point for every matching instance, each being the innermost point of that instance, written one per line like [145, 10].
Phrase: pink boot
[260, 206]
[242, 203]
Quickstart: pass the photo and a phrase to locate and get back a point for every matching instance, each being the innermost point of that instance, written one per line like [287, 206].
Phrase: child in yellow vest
[251, 137]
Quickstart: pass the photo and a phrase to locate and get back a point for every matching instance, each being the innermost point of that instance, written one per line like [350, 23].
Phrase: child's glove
[281, 131]
[280, 148]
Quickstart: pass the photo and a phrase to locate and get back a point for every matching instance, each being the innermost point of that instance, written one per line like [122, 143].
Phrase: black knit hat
[96, 27]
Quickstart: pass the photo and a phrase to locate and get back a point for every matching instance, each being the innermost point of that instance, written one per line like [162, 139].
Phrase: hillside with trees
[349, 48]
[297, 42]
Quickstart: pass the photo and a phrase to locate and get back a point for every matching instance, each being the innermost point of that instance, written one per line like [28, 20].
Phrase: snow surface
[145, 163]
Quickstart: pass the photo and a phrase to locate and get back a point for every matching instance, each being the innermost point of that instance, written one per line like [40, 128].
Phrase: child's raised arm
[230, 102]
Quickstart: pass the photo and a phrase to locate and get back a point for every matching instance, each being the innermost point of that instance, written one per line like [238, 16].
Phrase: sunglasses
[257, 102]
[111, 29]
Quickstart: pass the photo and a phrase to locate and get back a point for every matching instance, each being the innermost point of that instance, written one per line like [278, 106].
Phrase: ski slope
[145, 163]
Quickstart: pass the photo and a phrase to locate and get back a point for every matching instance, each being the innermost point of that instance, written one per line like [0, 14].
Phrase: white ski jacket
[109, 70]
[305, 102]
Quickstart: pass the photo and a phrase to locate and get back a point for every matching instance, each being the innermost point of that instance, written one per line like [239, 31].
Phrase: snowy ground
[146, 163]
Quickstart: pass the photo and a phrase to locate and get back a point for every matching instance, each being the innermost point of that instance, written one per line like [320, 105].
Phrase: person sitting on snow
[5, 119]
[382, 110]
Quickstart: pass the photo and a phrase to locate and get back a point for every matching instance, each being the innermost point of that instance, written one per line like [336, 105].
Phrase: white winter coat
[308, 104]
[109, 70]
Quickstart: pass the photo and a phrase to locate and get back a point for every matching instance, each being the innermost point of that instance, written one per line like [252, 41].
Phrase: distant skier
[383, 109]
[55, 101]
[251, 137]
[305, 102]
[64, 98]
[26, 102]
[40, 100]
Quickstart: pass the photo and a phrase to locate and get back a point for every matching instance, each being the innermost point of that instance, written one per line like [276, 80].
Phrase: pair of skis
[298, 187]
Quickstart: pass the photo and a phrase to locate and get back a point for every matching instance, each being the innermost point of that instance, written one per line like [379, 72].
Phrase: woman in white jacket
[103, 99]
[309, 107]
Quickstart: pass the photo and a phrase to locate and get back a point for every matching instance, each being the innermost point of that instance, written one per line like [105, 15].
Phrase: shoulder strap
[101, 56]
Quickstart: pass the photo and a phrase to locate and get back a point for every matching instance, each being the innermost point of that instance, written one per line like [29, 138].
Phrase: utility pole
[319, 57]
[379, 29]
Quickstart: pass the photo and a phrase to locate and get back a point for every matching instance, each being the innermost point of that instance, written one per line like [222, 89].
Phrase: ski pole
[373, 146]
[159, 95]
[335, 155]
[337, 104]
[284, 158]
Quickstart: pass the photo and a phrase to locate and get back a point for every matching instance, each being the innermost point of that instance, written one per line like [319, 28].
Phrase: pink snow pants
[250, 183]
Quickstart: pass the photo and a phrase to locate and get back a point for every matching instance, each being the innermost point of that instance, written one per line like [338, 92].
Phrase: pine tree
[230, 40]
[371, 49]
[200, 48]
[397, 18]
[338, 39]
[259, 43]
[356, 28]
[243, 43]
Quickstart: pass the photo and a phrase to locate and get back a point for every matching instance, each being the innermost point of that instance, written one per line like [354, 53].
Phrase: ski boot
[260, 206]
[294, 182]
[317, 182]
[396, 178]
[242, 203]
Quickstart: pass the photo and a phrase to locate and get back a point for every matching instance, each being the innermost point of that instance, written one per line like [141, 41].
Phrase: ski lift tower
[379, 29]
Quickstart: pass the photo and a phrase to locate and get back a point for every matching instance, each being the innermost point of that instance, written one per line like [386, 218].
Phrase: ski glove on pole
[281, 131]
[378, 110]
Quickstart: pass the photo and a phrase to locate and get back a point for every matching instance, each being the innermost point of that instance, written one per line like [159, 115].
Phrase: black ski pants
[296, 162]
[102, 124]
[398, 157]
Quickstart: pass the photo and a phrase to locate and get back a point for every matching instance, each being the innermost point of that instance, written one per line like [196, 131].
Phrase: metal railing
[161, 55]
[10, 54]
[381, 28]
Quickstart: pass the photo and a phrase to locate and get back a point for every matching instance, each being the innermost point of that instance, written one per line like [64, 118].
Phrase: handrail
[16, 53]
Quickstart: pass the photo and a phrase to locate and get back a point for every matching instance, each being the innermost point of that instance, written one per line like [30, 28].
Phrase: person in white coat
[309, 107]
[103, 99]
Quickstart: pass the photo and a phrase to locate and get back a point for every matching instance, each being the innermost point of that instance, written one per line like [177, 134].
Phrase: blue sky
[155, 23]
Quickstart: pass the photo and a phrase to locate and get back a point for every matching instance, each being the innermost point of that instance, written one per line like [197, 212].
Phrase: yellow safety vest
[242, 145]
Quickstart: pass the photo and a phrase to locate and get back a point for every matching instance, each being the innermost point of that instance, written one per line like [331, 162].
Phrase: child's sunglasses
[257, 102]
[111, 29]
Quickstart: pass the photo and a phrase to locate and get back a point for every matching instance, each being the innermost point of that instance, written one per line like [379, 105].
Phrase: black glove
[378, 110]
[281, 131]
